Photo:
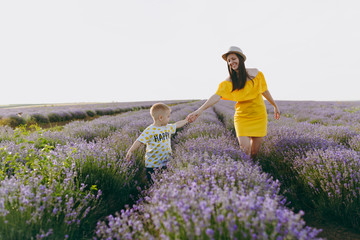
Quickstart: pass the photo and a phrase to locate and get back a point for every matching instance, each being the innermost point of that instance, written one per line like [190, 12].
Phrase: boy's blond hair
[159, 109]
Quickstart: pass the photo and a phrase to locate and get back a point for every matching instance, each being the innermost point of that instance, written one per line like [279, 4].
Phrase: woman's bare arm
[268, 97]
[210, 102]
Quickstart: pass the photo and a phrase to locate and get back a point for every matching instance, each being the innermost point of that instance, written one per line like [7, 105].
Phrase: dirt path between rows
[332, 230]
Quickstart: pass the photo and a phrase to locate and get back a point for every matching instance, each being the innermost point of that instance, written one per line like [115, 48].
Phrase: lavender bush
[39, 196]
[307, 150]
[333, 175]
[15, 116]
[58, 183]
[205, 194]
[68, 170]
[354, 143]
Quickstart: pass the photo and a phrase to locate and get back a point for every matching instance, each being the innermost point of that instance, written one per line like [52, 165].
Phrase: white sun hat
[234, 49]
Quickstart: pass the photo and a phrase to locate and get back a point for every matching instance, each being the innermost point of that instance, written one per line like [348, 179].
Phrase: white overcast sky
[102, 51]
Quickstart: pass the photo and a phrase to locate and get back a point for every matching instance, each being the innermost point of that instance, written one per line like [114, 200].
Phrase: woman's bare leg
[245, 144]
[255, 145]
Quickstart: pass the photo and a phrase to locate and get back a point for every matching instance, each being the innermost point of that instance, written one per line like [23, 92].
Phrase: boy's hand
[133, 148]
[181, 123]
[128, 156]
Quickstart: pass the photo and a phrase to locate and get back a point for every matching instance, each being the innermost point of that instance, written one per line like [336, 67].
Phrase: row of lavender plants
[63, 113]
[341, 113]
[318, 164]
[210, 190]
[58, 184]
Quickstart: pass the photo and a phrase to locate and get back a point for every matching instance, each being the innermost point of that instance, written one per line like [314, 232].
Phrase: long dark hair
[239, 79]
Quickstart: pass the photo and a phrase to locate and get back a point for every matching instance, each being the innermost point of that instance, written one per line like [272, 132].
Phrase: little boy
[157, 138]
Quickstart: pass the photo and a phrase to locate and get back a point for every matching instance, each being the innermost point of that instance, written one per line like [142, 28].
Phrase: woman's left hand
[276, 113]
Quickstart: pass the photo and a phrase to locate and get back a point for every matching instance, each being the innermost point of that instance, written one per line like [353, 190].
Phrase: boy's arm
[133, 148]
[181, 123]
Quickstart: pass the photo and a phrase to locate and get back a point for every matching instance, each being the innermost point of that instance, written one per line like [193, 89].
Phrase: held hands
[193, 116]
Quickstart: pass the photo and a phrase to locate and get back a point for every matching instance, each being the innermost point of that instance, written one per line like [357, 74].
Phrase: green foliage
[90, 113]
[54, 117]
[317, 121]
[352, 109]
[282, 169]
[288, 115]
[78, 115]
[12, 121]
[119, 184]
[66, 116]
[38, 118]
[118, 110]
[43, 171]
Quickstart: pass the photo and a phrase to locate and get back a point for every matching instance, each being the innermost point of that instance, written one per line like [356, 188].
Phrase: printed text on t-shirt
[161, 136]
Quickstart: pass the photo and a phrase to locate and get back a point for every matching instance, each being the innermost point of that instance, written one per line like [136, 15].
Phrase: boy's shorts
[150, 171]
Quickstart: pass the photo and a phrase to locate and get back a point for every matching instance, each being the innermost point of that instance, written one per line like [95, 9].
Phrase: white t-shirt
[158, 144]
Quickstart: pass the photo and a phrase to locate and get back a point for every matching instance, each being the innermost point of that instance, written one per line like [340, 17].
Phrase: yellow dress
[250, 117]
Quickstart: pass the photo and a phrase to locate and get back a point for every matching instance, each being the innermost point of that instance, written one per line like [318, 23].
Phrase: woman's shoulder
[228, 79]
[225, 84]
[253, 72]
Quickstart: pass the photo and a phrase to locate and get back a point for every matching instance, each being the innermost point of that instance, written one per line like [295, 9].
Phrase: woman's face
[233, 61]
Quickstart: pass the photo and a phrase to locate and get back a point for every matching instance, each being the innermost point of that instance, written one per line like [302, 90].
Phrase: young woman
[246, 87]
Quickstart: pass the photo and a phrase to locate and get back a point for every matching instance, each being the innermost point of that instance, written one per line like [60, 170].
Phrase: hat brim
[224, 56]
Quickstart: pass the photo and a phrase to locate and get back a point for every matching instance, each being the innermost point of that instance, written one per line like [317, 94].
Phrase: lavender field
[72, 182]
[48, 114]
